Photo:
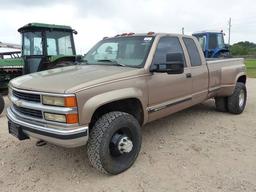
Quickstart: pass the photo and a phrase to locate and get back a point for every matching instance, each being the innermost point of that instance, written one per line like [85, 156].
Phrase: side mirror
[75, 32]
[174, 64]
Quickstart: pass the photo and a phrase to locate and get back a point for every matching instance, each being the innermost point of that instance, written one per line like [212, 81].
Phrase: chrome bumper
[66, 137]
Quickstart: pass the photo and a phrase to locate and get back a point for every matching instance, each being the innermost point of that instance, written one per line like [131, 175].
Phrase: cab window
[32, 43]
[193, 52]
[167, 45]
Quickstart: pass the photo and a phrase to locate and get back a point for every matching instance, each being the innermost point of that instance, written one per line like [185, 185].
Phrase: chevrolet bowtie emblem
[18, 103]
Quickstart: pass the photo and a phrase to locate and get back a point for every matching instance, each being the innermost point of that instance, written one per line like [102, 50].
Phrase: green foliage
[243, 48]
[251, 67]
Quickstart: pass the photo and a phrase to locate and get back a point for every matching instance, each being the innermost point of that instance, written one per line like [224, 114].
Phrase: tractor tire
[1, 104]
[221, 104]
[237, 101]
[114, 143]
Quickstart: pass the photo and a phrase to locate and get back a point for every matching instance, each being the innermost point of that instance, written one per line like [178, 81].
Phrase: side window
[193, 52]
[166, 45]
[38, 49]
[65, 46]
[202, 40]
[51, 47]
[220, 40]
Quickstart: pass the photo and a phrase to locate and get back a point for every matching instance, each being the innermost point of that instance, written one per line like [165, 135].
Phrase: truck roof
[32, 26]
[150, 34]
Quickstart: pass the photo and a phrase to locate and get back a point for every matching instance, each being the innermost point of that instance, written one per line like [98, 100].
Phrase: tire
[237, 101]
[107, 135]
[221, 104]
[1, 104]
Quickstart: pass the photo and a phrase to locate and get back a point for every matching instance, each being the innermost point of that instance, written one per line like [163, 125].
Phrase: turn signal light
[70, 102]
[72, 118]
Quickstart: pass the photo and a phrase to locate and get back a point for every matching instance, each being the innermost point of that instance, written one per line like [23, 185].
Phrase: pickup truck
[123, 83]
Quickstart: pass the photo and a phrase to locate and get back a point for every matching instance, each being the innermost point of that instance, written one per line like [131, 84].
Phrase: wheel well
[132, 106]
[242, 79]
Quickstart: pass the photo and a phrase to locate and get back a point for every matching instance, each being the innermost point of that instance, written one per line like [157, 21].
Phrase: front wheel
[237, 101]
[1, 104]
[114, 142]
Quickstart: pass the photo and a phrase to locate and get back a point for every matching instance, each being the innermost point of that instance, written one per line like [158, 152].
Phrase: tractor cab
[47, 46]
[212, 44]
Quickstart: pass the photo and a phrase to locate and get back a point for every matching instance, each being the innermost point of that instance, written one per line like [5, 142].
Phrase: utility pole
[229, 30]
[182, 30]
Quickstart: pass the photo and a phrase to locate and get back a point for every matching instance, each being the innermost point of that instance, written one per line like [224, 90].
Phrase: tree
[243, 48]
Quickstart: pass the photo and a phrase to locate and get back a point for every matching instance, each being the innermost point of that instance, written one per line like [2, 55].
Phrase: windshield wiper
[113, 62]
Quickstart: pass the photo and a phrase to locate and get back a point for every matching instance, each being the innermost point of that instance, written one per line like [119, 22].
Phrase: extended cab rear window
[193, 52]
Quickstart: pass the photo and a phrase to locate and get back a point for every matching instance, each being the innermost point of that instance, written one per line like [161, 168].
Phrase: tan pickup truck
[124, 82]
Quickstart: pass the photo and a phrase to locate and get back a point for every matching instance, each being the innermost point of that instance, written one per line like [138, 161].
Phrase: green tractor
[44, 47]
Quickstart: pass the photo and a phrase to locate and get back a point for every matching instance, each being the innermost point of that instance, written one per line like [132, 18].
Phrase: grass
[251, 67]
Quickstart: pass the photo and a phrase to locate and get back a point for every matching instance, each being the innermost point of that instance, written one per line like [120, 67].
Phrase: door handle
[188, 75]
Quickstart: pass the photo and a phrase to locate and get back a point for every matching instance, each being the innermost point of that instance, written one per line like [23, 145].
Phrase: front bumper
[69, 137]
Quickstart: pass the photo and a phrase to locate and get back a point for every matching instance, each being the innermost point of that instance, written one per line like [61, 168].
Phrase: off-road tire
[221, 104]
[1, 104]
[233, 100]
[100, 137]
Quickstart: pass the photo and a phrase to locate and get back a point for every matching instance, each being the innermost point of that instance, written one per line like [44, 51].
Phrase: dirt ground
[196, 150]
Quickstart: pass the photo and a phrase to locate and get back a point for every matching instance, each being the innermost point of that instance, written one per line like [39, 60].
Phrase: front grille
[27, 96]
[28, 112]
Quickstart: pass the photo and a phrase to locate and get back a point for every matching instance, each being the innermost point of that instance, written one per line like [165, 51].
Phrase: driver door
[168, 93]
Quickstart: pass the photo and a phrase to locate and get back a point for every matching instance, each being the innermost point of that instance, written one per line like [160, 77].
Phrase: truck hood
[72, 79]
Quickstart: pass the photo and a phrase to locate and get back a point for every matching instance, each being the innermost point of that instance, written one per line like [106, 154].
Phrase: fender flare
[92, 104]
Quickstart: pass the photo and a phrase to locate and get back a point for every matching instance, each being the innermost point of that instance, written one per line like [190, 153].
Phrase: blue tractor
[212, 44]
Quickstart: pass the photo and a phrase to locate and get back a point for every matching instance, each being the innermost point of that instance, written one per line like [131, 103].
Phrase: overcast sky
[95, 19]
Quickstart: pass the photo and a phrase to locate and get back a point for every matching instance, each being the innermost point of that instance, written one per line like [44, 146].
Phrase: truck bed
[223, 73]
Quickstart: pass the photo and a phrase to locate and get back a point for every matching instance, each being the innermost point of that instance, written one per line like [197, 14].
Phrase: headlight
[56, 101]
[55, 117]
[68, 118]
[60, 101]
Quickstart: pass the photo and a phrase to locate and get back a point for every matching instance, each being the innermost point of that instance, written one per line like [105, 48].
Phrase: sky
[95, 19]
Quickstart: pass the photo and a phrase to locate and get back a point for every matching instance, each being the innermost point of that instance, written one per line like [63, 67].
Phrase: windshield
[59, 43]
[126, 51]
[32, 43]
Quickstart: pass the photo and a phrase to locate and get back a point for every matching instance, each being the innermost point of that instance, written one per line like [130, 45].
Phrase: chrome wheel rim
[121, 143]
[241, 98]
[125, 145]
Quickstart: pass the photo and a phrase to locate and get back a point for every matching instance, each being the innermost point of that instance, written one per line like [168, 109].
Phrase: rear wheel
[221, 104]
[114, 142]
[1, 104]
[237, 101]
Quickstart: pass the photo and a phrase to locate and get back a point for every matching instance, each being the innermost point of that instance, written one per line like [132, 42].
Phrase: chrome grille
[26, 96]
[28, 112]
